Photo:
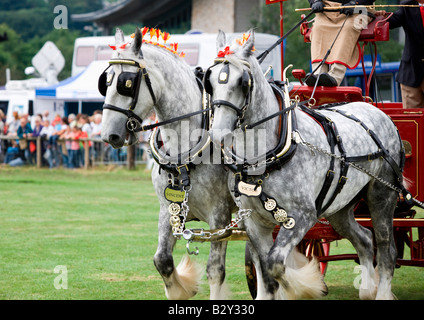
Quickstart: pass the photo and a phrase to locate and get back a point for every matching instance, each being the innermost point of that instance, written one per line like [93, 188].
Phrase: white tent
[84, 87]
[81, 88]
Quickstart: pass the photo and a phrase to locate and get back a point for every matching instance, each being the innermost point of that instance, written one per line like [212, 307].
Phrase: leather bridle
[134, 122]
[246, 84]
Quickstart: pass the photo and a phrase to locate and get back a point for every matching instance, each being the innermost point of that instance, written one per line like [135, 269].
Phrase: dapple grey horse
[172, 91]
[297, 184]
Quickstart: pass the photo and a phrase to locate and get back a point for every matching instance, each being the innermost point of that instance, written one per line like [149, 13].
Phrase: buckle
[343, 180]
[182, 166]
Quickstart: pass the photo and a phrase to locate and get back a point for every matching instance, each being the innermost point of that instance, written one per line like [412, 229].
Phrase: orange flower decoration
[120, 47]
[152, 32]
[165, 36]
[223, 53]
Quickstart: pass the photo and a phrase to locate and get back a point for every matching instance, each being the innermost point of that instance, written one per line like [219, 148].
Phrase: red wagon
[408, 230]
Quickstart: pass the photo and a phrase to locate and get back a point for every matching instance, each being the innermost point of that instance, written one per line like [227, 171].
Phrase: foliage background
[29, 24]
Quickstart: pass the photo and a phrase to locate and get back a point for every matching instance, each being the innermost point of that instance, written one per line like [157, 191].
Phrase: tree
[297, 52]
[12, 54]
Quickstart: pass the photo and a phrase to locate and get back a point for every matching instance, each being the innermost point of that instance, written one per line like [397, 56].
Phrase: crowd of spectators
[61, 136]
[62, 140]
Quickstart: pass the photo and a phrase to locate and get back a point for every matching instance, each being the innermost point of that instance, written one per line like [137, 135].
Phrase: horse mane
[153, 50]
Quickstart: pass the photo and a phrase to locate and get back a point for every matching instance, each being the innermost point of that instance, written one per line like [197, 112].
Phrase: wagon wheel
[250, 273]
[315, 248]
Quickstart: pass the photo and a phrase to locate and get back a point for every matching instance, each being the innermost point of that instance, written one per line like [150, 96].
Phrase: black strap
[334, 140]
[162, 123]
[128, 113]
[149, 86]
[219, 103]
[386, 154]
[276, 114]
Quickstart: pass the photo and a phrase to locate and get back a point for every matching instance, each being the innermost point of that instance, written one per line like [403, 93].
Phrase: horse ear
[220, 40]
[137, 42]
[119, 37]
[248, 45]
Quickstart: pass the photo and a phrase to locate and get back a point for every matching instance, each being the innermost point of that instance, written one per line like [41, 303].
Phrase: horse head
[229, 82]
[130, 91]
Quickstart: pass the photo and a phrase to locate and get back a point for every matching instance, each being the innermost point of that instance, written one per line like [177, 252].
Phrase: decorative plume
[165, 36]
[223, 53]
[143, 32]
[120, 47]
[153, 32]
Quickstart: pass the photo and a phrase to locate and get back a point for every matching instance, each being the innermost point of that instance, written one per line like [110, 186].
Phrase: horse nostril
[113, 138]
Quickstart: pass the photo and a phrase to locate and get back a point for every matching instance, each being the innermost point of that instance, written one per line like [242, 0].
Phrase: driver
[345, 51]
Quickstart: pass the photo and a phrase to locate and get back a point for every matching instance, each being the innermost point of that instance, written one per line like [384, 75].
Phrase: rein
[263, 55]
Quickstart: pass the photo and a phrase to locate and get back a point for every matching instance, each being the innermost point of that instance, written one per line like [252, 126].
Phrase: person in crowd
[13, 125]
[23, 132]
[38, 126]
[46, 132]
[45, 115]
[83, 144]
[411, 69]
[74, 134]
[57, 120]
[67, 136]
[96, 126]
[71, 117]
[84, 123]
[3, 146]
[96, 132]
[12, 152]
[2, 122]
[36, 132]
[60, 126]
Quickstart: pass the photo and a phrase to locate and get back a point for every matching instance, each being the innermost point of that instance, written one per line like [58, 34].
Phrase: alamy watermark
[61, 20]
[249, 148]
[61, 281]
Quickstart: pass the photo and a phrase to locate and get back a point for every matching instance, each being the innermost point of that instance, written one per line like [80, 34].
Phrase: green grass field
[99, 229]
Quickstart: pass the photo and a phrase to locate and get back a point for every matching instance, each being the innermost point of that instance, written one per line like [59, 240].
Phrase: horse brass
[289, 223]
[270, 204]
[174, 209]
[280, 215]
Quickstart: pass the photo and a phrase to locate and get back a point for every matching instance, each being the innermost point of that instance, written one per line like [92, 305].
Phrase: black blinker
[245, 82]
[207, 82]
[127, 83]
[102, 84]
[105, 80]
